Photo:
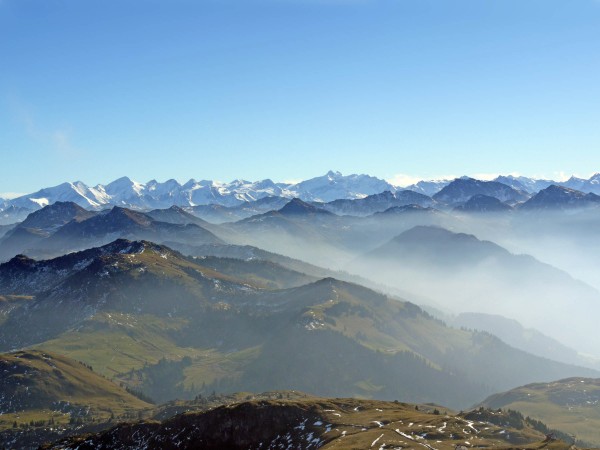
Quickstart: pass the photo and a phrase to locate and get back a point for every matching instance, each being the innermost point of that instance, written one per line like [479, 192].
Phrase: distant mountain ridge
[65, 226]
[560, 197]
[462, 189]
[324, 189]
[153, 194]
[436, 261]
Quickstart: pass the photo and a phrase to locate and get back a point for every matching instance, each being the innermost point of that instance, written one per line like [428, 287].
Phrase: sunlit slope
[38, 385]
[571, 405]
[312, 423]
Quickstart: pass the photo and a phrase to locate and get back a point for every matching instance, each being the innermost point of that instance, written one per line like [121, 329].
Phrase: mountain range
[313, 289]
[64, 226]
[128, 193]
[185, 326]
[459, 272]
[312, 233]
[327, 188]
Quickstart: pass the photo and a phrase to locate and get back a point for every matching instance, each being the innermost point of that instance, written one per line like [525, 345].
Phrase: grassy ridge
[571, 405]
[305, 422]
[37, 385]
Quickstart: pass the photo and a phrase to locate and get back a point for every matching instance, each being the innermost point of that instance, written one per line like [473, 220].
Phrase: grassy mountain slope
[571, 405]
[172, 327]
[43, 386]
[311, 423]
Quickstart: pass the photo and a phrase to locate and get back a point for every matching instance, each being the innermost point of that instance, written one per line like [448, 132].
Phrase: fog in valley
[446, 302]
[307, 224]
[536, 267]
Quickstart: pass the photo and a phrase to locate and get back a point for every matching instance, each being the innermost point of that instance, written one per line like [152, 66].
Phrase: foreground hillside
[312, 423]
[33, 380]
[175, 327]
[572, 405]
[46, 391]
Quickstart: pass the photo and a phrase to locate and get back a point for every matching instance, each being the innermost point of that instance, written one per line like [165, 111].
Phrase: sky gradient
[288, 89]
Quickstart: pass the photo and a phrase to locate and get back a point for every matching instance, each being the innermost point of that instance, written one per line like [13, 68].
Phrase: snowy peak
[334, 186]
[525, 184]
[124, 191]
[76, 192]
[574, 183]
[429, 188]
[327, 188]
[334, 175]
[169, 187]
[592, 185]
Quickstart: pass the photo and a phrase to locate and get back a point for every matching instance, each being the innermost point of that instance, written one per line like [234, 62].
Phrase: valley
[390, 296]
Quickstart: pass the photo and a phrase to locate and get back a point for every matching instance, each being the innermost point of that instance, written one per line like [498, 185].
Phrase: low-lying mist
[538, 268]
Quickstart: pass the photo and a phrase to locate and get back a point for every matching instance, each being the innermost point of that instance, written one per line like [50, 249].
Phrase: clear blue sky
[288, 89]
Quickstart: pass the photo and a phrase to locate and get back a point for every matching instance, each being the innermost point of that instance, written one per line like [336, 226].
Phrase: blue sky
[288, 89]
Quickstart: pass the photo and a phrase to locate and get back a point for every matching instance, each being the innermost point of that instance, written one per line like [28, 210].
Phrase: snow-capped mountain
[429, 187]
[574, 183]
[208, 192]
[124, 191]
[526, 184]
[76, 192]
[128, 193]
[592, 185]
[332, 186]
[377, 203]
